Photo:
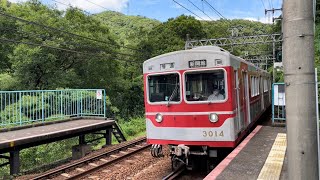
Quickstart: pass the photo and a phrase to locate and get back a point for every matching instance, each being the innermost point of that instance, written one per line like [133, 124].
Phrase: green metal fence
[25, 107]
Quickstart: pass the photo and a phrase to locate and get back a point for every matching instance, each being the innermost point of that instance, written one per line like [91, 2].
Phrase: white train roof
[180, 59]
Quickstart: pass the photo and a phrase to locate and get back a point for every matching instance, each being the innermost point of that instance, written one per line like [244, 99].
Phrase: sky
[165, 9]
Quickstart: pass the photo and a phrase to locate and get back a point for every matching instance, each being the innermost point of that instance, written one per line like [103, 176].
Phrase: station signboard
[279, 95]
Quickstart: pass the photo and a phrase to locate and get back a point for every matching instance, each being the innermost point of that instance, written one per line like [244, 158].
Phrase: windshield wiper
[173, 94]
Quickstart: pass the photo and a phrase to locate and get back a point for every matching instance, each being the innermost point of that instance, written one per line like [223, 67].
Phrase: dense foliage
[114, 62]
[38, 57]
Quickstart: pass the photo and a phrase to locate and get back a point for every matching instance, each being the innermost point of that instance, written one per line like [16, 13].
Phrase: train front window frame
[206, 91]
[164, 97]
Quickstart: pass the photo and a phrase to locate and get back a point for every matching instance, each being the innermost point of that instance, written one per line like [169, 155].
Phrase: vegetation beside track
[45, 156]
[33, 67]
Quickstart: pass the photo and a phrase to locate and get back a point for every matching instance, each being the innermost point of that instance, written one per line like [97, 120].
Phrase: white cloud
[265, 20]
[95, 6]
[205, 17]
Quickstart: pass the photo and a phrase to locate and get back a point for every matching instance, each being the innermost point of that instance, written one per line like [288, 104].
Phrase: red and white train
[202, 101]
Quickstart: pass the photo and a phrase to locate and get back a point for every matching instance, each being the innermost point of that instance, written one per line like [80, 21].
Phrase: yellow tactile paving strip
[273, 165]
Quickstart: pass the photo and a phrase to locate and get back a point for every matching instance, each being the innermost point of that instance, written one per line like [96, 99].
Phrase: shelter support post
[108, 136]
[14, 162]
[79, 151]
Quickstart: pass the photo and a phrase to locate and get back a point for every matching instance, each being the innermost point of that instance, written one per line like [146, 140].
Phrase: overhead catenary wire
[42, 45]
[94, 15]
[65, 42]
[56, 48]
[31, 34]
[214, 9]
[263, 4]
[71, 6]
[98, 5]
[202, 5]
[200, 10]
[270, 6]
[187, 9]
[86, 12]
[58, 30]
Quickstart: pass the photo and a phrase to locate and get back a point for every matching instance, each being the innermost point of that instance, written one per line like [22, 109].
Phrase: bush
[133, 127]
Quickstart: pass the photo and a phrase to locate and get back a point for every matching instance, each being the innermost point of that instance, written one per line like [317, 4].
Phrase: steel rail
[174, 174]
[89, 159]
[87, 172]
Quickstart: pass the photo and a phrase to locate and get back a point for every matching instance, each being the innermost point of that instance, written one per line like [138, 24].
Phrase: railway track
[95, 162]
[176, 173]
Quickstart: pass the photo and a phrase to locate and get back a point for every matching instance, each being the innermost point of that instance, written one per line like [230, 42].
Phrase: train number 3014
[212, 134]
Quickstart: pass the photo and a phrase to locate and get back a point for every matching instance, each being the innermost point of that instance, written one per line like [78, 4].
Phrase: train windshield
[164, 88]
[206, 86]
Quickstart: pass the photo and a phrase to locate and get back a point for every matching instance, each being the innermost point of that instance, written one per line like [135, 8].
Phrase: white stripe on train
[189, 113]
[192, 134]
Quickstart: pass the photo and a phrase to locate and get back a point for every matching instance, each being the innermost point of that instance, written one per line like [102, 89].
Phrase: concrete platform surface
[44, 134]
[247, 161]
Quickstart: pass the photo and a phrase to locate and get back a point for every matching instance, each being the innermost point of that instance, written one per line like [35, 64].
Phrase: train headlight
[159, 118]
[213, 117]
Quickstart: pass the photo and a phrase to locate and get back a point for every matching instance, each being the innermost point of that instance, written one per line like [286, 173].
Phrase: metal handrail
[29, 106]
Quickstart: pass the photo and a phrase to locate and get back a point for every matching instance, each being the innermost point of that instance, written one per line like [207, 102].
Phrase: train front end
[189, 104]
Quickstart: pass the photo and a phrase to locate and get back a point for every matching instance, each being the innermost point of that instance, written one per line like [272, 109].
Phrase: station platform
[28, 137]
[14, 140]
[260, 156]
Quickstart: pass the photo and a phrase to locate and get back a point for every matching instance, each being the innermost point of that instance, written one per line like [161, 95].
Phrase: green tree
[184, 25]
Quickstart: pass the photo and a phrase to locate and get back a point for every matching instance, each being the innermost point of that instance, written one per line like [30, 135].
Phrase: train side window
[265, 85]
[253, 86]
[258, 85]
[205, 85]
[164, 88]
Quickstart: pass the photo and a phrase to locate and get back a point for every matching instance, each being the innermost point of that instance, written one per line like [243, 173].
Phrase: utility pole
[299, 73]
[234, 32]
[273, 10]
[274, 57]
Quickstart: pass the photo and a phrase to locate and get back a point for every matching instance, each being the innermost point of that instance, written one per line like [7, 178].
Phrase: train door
[246, 98]
[239, 115]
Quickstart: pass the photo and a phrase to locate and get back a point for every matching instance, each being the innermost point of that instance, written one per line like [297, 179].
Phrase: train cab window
[164, 88]
[206, 86]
